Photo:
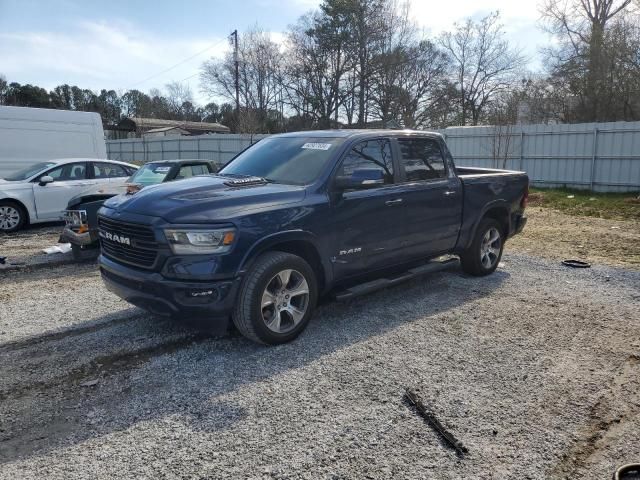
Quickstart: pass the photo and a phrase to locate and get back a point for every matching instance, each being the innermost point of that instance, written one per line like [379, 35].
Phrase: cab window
[421, 159]
[370, 154]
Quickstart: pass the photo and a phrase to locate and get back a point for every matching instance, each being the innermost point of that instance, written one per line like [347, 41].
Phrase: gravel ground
[535, 368]
[30, 241]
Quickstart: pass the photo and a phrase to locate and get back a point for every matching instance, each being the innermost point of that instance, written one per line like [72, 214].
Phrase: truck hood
[205, 199]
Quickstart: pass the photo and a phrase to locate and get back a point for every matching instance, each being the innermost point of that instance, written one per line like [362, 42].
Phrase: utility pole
[234, 34]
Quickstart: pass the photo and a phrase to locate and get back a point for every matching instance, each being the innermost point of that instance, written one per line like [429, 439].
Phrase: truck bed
[486, 188]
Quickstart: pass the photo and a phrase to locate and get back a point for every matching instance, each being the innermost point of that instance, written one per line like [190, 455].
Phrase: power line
[180, 63]
[187, 78]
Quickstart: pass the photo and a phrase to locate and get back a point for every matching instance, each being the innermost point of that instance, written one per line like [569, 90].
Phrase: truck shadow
[181, 372]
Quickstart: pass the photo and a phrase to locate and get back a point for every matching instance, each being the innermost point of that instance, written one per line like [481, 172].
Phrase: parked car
[302, 215]
[41, 192]
[81, 216]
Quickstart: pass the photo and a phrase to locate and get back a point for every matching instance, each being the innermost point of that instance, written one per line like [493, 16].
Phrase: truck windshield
[150, 174]
[289, 160]
[29, 171]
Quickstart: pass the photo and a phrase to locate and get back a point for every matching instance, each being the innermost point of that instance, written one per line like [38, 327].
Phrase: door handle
[448, 193]
[391, 203]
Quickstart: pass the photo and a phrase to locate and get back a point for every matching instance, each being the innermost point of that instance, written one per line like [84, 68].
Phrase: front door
[68, 181]
[368, 223]
[432, 198]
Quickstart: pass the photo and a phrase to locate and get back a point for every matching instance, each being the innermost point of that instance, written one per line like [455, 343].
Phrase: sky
[139, 44]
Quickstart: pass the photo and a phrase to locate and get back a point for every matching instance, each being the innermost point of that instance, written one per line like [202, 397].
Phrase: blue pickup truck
[305, 215]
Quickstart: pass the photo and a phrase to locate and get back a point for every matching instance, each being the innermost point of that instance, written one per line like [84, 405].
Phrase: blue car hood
[205, 199]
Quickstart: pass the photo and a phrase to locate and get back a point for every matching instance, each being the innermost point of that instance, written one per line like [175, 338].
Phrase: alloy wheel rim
[284, 301]
[490, 247]
[9, 218]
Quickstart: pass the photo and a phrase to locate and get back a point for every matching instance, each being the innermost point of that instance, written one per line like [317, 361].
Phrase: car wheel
[485, 252]
[276, 299]
[12, 217]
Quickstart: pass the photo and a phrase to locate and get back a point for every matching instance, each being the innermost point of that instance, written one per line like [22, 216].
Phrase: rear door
[432, 196]
[68, 181]
[368, 224]
[107, 172]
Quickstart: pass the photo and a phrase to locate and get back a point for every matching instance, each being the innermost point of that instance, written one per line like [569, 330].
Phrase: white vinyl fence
[598, 156]
[219, 148]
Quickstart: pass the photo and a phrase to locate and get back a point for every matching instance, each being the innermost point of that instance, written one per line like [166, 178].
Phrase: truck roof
[182, 160]
[350, 133]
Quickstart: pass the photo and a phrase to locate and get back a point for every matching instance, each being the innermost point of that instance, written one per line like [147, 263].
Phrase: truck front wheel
[484, 254]
[276, 299]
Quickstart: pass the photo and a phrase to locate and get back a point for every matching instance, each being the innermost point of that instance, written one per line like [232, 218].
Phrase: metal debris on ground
[3, 260]
[415, 400]
[90, 383]
[575, 263]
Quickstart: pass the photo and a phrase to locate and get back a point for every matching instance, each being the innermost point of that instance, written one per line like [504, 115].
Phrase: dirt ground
[558, 236]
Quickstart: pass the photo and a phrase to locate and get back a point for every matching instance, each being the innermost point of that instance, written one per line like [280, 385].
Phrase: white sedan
[41, 192]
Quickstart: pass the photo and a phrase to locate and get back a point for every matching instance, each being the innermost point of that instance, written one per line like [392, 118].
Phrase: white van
[33, 135]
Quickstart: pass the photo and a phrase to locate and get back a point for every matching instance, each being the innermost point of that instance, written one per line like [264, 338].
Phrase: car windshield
[289, 160]
[29, 171]
[150, 174]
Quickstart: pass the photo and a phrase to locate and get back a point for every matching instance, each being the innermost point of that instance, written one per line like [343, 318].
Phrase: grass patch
[621, 206]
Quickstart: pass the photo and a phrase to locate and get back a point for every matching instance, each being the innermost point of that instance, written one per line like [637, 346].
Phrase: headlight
[186, 242]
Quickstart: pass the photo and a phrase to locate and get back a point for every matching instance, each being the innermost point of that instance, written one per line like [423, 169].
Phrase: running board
[380, 283]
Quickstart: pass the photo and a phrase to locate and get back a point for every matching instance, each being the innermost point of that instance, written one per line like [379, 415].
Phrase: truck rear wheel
[484, 254]
[276, 299]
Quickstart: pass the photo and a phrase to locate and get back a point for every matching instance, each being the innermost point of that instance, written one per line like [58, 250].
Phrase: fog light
[202, 293]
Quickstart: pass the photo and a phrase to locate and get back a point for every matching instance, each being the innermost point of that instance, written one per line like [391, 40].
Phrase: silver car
[41, 192]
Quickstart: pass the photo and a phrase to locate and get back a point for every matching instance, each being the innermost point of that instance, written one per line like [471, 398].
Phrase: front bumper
[153, 292]
[83, 239]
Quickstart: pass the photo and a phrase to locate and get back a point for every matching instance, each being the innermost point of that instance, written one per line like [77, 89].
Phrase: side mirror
[360, 179]
[45, 180]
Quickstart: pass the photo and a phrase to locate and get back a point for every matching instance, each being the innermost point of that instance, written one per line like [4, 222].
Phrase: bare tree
[313, 80]
[179, 99]
[259, 74]
[503, 116]
[484, 64]
[596, 48]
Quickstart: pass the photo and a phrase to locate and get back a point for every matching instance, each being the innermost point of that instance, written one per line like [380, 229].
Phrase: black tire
[11, 207]
[248, 316]
[472, 258]
[76, 251]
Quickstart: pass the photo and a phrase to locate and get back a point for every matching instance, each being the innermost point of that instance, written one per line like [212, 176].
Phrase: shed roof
[155, 123]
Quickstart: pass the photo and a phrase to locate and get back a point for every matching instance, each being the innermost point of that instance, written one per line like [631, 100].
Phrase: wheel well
[19, 204]
[501, 215]
[306, 251]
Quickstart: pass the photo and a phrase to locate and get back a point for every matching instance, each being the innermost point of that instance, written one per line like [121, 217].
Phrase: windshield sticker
[161, 169]
[317, 146]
